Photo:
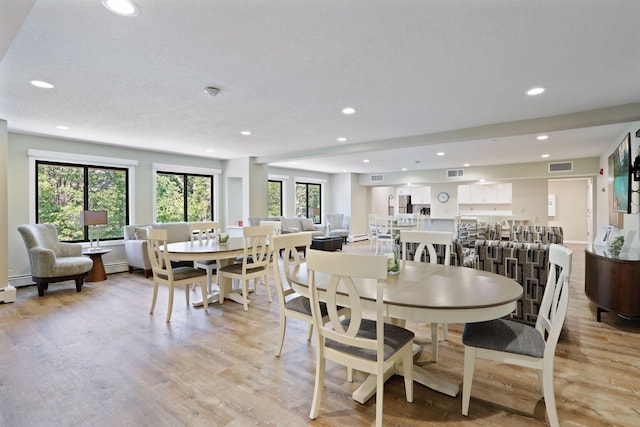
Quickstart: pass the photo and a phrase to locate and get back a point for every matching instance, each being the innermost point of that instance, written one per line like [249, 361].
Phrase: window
[184, 197]
[308, 201]
[275, 198]
[64, 190]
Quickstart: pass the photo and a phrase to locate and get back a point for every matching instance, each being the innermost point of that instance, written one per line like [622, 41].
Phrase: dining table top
[206, 246]
[440, 291]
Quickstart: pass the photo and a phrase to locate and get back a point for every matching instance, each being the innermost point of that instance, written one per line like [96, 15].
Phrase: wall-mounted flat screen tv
[620, 182]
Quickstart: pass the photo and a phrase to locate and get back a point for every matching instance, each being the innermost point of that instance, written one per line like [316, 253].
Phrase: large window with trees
[308, 201]
[275, 198]
[64, 190]
[184, 197]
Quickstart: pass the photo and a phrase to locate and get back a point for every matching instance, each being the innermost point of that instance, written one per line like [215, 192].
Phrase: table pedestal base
[420, 375]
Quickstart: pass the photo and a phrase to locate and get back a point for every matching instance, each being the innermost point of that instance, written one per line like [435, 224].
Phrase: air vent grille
[454, 173]
[561, 167]
[376, 178]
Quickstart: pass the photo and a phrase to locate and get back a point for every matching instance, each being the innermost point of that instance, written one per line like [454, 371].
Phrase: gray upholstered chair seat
[237, 269]
[394, 338]
[181, 273]
[302, 305]
[504, 335]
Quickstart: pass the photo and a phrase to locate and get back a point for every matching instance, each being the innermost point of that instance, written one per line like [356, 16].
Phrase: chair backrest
[288, 244]
[335, 221]
[203, 230]
[256, 246]
[342, 268]
[555, 301]
[44, 235]
[159, 259]
[427, 240]
[277, 226]
[383, 224]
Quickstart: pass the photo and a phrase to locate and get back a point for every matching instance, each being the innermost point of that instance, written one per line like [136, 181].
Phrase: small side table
[97, 273]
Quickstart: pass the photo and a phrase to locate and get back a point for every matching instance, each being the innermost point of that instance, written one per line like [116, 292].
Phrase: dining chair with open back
[508, 341]
[426, 240]
[357, 342]
[172, 277]
[255, 262]
[205, 231]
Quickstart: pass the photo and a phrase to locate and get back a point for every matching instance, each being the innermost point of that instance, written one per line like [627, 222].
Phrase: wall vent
[376, 178]
[454, 173]
[561, 167]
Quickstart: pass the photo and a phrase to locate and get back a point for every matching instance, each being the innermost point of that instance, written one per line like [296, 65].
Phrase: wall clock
[443, 197]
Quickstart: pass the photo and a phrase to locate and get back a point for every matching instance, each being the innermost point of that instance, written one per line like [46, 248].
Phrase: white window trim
[79, 159]
[189, 170]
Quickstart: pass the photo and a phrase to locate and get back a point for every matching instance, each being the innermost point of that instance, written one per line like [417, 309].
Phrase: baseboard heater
[357, 238]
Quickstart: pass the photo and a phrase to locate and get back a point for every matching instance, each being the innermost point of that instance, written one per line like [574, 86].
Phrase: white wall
[17, 199]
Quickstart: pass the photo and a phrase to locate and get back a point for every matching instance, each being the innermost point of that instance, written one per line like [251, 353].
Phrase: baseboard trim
[25, 279]
[357, 238]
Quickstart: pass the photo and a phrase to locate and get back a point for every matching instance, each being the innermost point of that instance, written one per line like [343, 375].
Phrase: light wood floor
[97, 358]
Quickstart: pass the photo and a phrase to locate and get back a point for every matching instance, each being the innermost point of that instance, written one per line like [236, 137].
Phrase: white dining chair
[357, 342]
[172, 277]
[384, 232]
[205, 231]
[515, 343]
[426, 240]
[255, 262]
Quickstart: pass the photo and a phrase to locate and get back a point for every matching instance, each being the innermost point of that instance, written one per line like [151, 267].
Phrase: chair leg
[155, 296]
[469, 365]
[281, 331]
[434, 342]
[245, 294]
[170, 304]
[186, 292]
[310, 332]
[407, 368]
[549, 397]
[319, 385]
[445, 332]
[379, 397]
[205, 300]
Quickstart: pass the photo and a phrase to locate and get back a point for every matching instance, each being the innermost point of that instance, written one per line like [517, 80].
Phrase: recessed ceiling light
[535, 91]
[440, 153]
[482, 180]
[62, 127]
[341, 139]
[348, 110]
[121, 7]
[245, 132]
[404, 169]
[542, 137]
[365, 161]
[42, 84]
[544, 156]
[209, 150]
[408, 183]
[466, 165]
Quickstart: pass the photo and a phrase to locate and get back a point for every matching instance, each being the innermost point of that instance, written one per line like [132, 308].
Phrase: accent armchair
[337, 226]
[51, 260]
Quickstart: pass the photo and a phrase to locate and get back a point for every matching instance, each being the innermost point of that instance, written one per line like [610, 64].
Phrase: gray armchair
[51, 260]
[338, 226]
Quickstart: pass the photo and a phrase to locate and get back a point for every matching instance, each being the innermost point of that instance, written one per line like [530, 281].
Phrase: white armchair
[51, 260]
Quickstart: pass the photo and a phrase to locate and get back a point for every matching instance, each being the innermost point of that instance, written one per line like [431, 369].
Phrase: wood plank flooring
[97, 358]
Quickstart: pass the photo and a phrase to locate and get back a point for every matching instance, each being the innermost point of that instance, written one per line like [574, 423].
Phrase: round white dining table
[429, 293]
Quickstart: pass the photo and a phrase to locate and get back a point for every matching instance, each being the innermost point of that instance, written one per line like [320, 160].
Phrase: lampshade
[93, 217]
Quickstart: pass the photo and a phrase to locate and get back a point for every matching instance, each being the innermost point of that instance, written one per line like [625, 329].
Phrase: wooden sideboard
[612, 283]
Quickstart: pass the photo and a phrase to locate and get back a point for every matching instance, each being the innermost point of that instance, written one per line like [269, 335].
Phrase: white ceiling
[424, 76]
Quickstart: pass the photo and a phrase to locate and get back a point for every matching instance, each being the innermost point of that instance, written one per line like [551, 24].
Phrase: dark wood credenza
[612, 283]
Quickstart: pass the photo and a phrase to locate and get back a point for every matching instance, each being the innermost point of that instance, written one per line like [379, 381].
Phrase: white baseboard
[357, 237]
[25, 280]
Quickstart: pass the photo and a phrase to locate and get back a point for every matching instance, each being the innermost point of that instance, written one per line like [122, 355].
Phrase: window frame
[279, 181]
[307, 184]
[87, 161]
[186, 170]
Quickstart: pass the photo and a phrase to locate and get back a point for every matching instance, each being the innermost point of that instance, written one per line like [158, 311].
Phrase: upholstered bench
[326, 243]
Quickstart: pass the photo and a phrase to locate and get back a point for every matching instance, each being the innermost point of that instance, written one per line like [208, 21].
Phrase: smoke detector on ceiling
[213, 91]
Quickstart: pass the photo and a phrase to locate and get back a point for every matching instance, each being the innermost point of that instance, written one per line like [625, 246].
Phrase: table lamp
[93, 218]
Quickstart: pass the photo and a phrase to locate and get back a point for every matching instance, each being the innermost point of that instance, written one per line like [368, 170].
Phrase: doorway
[573, 208]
